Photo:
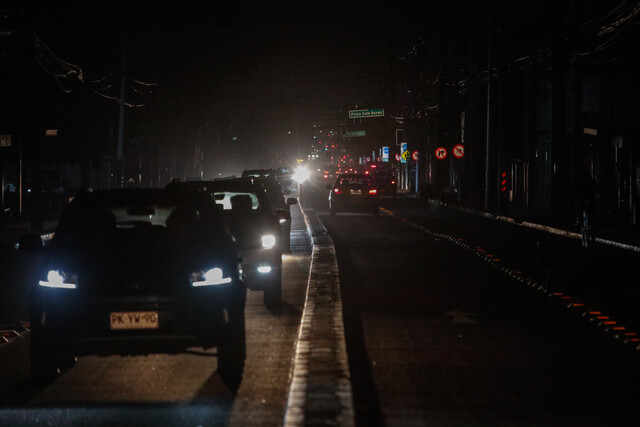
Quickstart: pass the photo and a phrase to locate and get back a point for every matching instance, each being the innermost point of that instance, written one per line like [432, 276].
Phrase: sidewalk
[624, 236]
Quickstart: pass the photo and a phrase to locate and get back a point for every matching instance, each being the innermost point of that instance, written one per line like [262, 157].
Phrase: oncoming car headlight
[59, 279]
[301, 174]
[211, 277]
[268, 241]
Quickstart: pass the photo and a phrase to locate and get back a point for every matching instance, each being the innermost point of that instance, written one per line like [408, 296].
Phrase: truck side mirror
[31, 242]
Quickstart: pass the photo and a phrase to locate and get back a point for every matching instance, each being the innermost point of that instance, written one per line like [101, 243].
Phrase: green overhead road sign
[350, 134]
[375, 112]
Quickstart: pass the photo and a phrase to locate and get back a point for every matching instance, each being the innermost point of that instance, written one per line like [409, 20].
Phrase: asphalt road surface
[437, 335]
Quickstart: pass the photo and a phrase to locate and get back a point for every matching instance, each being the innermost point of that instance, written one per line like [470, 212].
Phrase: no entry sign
[458, 151]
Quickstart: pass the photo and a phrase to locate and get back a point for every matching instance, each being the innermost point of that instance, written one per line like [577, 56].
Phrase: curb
[320, 389]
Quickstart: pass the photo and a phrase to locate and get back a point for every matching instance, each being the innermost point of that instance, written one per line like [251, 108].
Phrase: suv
[255, 224]
[138, 272]
[354, 192]
[276, 196]
[282, 175]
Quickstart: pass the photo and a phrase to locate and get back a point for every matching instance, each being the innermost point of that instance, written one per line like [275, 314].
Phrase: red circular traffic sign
[458, 151]
[415, 155]
[441, 153]
[398, 157]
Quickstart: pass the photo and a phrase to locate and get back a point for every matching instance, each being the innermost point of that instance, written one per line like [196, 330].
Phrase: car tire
[232, 351]
[50, 354]
[273, 293]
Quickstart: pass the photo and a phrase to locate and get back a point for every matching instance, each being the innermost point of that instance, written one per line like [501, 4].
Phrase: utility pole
[488, 134]
[123, 82]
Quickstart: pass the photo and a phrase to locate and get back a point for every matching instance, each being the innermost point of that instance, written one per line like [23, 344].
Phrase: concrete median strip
[320, 388]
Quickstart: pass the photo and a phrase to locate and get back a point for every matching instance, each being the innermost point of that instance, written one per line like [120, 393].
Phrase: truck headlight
[211, 277]
[268, 241]
[59, 279]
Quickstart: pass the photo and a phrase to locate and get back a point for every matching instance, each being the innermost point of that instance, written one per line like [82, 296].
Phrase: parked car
[138, 272]
[255, 224]
[353, 192]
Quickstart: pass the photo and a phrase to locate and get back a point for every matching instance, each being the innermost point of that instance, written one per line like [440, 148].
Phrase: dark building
[542, 97]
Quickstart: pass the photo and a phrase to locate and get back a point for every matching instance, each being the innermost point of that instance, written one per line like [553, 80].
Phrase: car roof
[243, 185]
[136, 196]
[353, 175]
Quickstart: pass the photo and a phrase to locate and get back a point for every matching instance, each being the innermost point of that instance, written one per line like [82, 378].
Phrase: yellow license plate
[134, 320]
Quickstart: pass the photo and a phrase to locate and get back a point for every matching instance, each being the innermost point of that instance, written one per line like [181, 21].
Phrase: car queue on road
[120, 275]
[139, 271]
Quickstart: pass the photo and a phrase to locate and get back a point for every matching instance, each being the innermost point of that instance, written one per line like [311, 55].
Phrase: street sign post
[441, 153]
[354, 133]
[404, 152]
[458, 151]
[385, 154]
[357, 114]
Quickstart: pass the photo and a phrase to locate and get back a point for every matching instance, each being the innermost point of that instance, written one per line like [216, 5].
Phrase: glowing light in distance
[301, 174]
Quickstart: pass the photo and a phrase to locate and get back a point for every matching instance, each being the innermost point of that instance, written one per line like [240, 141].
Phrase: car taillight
[393, 183]
[373, 191]
[337, 190]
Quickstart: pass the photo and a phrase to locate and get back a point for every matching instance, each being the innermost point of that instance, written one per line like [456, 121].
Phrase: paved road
[176, 390]
[437, 335]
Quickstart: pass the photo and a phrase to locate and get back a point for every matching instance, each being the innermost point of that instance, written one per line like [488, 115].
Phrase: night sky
[258, 60]
[256, 69]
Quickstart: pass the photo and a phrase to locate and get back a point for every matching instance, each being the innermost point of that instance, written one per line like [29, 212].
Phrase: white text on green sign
[353, 133]
[375, 112]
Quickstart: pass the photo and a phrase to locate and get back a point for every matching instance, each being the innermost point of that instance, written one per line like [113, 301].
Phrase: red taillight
[393, 183]
[337, 190]
[366, 172]
[326, 176]
[373, 191]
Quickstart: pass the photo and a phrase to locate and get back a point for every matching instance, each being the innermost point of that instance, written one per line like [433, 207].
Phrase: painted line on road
[320, 388]
[592, 314]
